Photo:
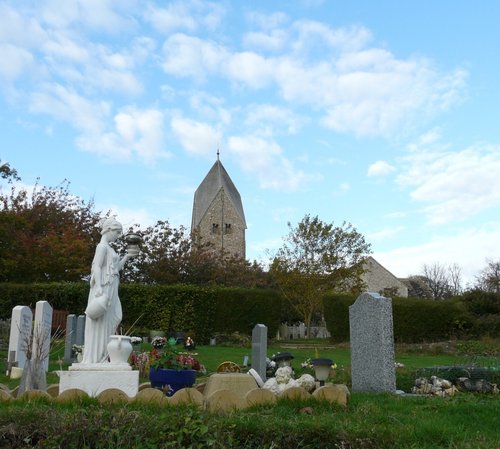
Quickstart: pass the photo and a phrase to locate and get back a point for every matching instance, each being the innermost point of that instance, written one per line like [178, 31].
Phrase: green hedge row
[415, 320]
[200, 311]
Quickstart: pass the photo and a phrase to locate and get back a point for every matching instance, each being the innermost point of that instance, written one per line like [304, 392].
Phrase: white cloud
[196, 137]
[267, 21]
[188, 56]
[469, 248]
[366, 91]
[269, 119]
[272, 41]
[189, 15]
[20, 30]
[131, 132]
[266, 160]
[380, 168]
[14, 61]
[383, 234]
[210, 107]
[104, 15]
[453, 185]
[67, 105]
[313, 35]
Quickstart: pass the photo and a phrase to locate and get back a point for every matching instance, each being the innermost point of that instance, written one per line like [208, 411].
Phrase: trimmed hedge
[199, 311]
[61, 295]
[415, 320]
[240, 310]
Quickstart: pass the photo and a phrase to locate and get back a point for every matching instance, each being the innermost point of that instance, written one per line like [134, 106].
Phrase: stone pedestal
[97, 377]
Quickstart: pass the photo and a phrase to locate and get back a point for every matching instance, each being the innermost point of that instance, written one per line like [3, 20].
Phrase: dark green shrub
[481, 303]
[414, 320]
[199, 311]
[336, 310]
[239, 310]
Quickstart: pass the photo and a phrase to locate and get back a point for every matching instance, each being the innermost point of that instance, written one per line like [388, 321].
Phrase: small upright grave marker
[20, 335]
[80, 330]
[70, 338]
[372, 344]
[42, 332]
[259, 349]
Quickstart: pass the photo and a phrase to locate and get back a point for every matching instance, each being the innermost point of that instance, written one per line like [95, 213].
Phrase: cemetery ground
[466, 420]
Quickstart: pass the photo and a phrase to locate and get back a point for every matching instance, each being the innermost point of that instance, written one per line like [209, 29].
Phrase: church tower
[218, 216]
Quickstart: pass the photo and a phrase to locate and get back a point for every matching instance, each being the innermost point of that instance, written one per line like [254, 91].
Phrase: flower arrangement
[77, 349]
[135, 340]
[189, 345]
[308, 366]
[170, 357]
[158, 342]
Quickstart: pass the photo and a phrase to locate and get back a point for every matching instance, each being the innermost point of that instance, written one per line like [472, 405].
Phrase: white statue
[104, 310]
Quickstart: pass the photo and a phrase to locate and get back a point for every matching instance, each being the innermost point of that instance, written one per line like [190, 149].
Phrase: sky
[383, 114]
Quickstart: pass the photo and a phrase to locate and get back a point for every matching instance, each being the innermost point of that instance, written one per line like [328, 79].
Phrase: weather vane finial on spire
[218, 152]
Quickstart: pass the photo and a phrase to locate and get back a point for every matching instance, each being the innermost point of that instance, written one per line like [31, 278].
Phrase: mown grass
[369, 421]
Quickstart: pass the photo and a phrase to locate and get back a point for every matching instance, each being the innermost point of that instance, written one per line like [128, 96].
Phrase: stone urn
[119, 349]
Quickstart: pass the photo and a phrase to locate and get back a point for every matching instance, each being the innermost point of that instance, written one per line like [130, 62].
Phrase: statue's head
[110, 224]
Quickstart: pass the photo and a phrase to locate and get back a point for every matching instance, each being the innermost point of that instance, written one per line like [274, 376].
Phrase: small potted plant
[172, 370]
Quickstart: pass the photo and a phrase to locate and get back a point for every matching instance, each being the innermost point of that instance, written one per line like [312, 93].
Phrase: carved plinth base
[93, 379]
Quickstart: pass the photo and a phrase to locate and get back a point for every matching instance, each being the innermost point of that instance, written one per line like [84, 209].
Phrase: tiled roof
[216, 179]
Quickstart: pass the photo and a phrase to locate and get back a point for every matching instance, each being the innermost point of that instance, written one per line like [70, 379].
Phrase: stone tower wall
[222, 226]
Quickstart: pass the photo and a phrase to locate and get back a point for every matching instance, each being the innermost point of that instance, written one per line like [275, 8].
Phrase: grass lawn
[370, 421]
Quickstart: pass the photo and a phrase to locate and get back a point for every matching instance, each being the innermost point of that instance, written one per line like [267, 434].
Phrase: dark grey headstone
[80, 330]
[70, 338]
[259, 349]
[372, 344]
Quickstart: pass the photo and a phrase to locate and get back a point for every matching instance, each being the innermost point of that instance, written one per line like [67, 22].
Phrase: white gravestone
[372, 344]
[20, 334]
[42, 332]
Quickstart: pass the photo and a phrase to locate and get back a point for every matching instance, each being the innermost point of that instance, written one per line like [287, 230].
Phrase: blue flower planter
[171, 380]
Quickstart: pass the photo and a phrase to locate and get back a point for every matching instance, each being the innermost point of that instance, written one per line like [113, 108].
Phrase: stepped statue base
[97, 377]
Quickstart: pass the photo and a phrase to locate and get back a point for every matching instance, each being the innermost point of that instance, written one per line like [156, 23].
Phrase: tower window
[215, 228]
[227, 228]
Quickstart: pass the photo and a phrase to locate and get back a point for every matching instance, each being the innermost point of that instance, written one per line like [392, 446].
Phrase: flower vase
[119, 349]
[171, 380]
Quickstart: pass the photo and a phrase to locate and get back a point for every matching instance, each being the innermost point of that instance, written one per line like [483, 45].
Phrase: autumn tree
[317, 258]
[46, 234]
[169, 255]
[6, 172]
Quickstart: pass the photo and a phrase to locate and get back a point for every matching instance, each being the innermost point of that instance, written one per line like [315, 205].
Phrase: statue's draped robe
[97, 331]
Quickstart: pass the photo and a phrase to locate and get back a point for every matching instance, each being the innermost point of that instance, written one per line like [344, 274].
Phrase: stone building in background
[218, 216]
[380, 280]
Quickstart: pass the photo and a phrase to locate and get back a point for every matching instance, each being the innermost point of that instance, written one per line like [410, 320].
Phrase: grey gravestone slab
[42, 332]
[20, 334]
[70, 338]
[372, 344]
[259, 349]
[80, 330]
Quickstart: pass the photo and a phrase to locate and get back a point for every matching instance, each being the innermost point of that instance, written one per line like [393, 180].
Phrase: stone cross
[20, 334]
[70, 338]
[42, 332]
[259, 349]
[372, 344]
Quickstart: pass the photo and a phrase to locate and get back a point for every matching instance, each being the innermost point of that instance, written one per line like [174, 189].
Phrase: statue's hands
[98, 291]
